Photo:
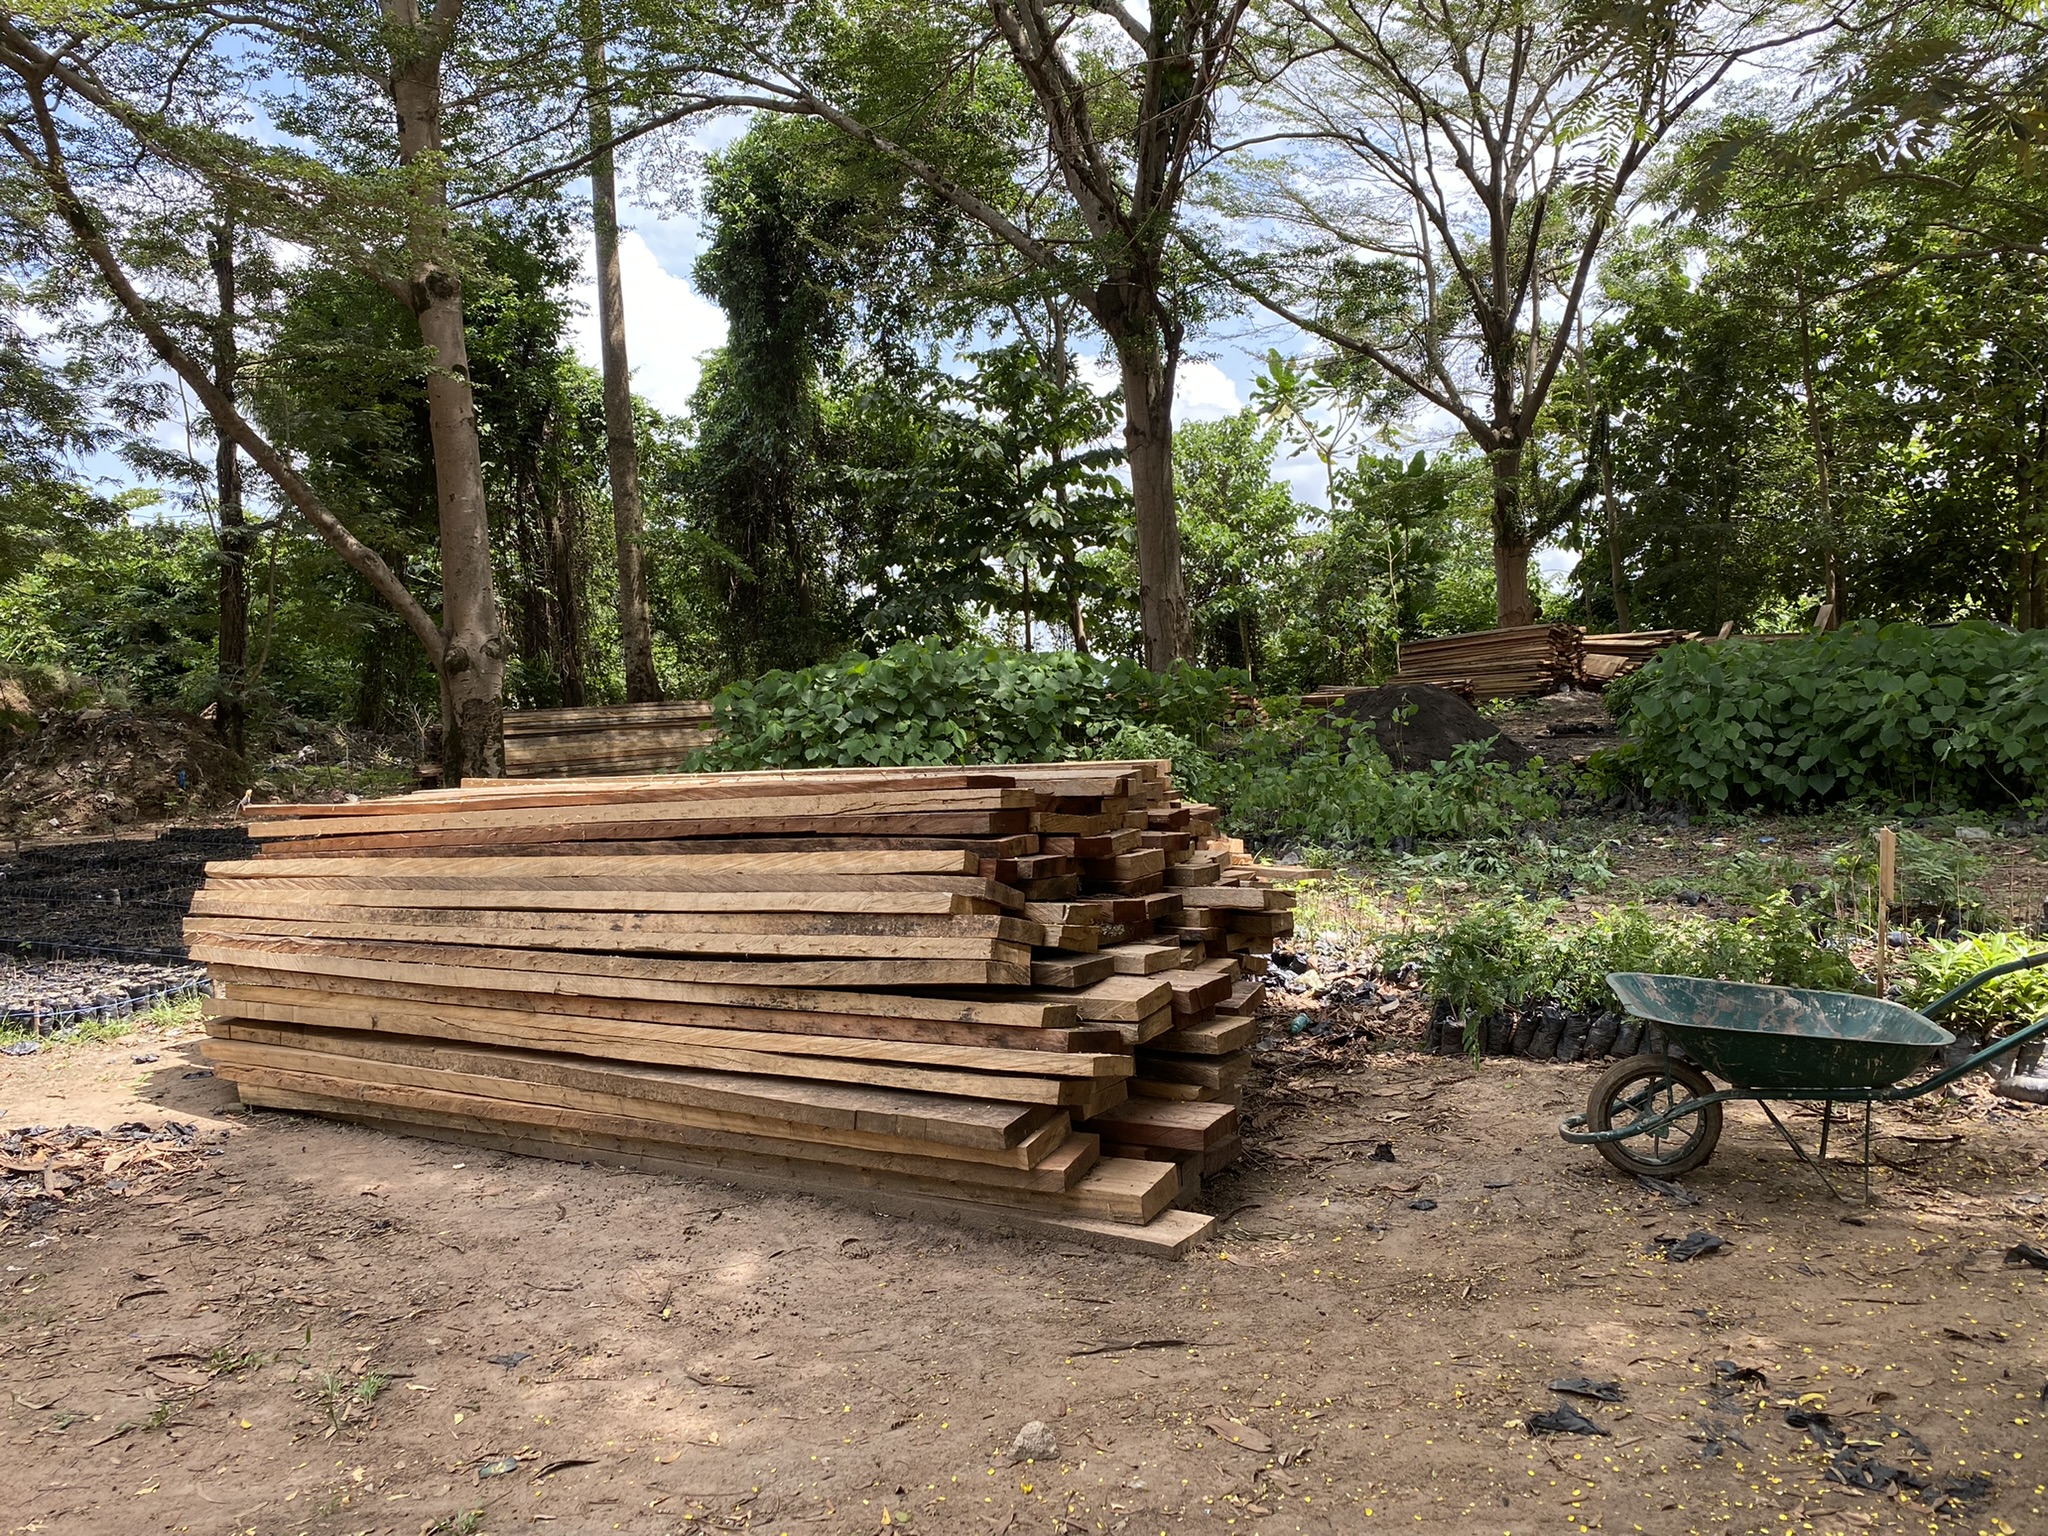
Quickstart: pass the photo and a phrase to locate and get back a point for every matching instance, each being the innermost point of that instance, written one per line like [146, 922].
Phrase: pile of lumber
[1497, 663]
[620, 738]
[1607, 657]
[1021, 995]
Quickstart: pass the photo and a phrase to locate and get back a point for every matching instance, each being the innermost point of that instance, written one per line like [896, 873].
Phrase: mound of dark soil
[1418, 725]
[92, 770]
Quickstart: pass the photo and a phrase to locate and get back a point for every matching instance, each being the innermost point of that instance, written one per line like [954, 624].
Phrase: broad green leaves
[1897, 712]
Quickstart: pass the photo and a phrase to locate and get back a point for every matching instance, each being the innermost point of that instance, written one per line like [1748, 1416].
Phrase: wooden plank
[1208, 1072]
[1197, 990]
[1158, 1123]
[1061, 971]
[1169, 1235]
[615, 1040]
[682, 802]
[1059, 1171]
[633, 868]
[1212, 1037]
[257, 898]
[1251, 898]
[1113, 998]
[570, 973]
[1143, 959]
[288, 985]
[1012, 1088]
[337, 1011]
[650, 935]
[488, 839]
[1115, 1189]
[1124, 866]
[987, 1124]
[672, 1096]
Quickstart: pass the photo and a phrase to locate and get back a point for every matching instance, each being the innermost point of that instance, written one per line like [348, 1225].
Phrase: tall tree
[231, 703]
[1457, 171]
[622, 455]
[86, 97]
[1122, 102]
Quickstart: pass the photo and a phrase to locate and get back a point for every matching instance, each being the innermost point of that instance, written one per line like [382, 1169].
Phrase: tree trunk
[1823, 477]
[1148, 447]
[230, 699]
[1514, 603]
[622, 453]
[1617, 575]
[472, 670]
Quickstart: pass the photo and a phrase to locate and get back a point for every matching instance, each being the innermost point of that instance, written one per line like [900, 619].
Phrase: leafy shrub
[1512, 953]
[2016, 999]
[1892, 712]
[1306, 780]
[922, 703]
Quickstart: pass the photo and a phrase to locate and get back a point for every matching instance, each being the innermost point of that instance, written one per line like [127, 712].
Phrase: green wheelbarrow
[1659, 1117]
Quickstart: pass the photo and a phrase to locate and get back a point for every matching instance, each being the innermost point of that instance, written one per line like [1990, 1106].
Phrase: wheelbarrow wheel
[1640, 1089]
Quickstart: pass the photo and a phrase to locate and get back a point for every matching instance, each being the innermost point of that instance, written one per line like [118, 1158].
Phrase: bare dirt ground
[326, 1330]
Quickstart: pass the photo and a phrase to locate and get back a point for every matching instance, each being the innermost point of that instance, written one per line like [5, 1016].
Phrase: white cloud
[1201, 390]
[669, 326]
[1204, 392]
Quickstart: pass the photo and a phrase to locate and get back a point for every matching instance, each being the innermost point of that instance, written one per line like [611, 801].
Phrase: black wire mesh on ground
[92, 930]
[115, 892]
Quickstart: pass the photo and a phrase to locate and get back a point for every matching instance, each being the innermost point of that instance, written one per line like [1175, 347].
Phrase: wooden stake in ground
[1887, 874]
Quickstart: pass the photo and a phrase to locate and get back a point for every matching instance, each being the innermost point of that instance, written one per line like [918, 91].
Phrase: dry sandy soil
[325, 1329]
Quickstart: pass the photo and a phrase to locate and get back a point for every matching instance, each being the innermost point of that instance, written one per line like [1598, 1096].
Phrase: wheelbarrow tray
[1785, 1040]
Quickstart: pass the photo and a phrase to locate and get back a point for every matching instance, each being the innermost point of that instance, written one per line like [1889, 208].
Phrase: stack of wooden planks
[620, 738]
[1607, 657]
[1021, 995]
[1497, 663]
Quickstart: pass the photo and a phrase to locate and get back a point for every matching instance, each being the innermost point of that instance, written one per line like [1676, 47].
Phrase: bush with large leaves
[1898, 713]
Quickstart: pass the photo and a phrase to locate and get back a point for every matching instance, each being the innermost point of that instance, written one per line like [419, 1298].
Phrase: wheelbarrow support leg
[1799, 1151]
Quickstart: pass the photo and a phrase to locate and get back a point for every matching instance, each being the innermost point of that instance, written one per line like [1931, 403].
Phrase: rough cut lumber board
[1059, 1172]
[1197, 990]
[1245, 1000]
[489, 839]
[969, 934]
[1060, 971]
[1057, 1168]
[514, 970]
[207, 946]
[1217, 1037]
[1152, 1088]
[564, 1082]
[631, 869]
[1209, 1072]
[291, 985]
[266, 898]
[1143, 959]
[984, 1124]
[1157, 1123]
[1006, 1087]
[336, 1010]
[1116, 1189]
[682, 805]
[1066, 914]
[1251, 898]
[454, 890]
[1169, 1235]
[1262, 925]
[1114, 998]
[471, 921]
[630, 1040]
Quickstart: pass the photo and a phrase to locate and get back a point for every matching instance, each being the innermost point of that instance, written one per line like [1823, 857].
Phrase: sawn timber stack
[944, 989]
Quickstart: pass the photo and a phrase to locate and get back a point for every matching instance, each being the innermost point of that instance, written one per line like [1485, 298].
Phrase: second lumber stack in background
[940, 985]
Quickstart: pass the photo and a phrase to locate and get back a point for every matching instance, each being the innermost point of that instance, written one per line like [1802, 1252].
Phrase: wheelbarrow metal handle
[1997, 1048]
[1954, 995]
